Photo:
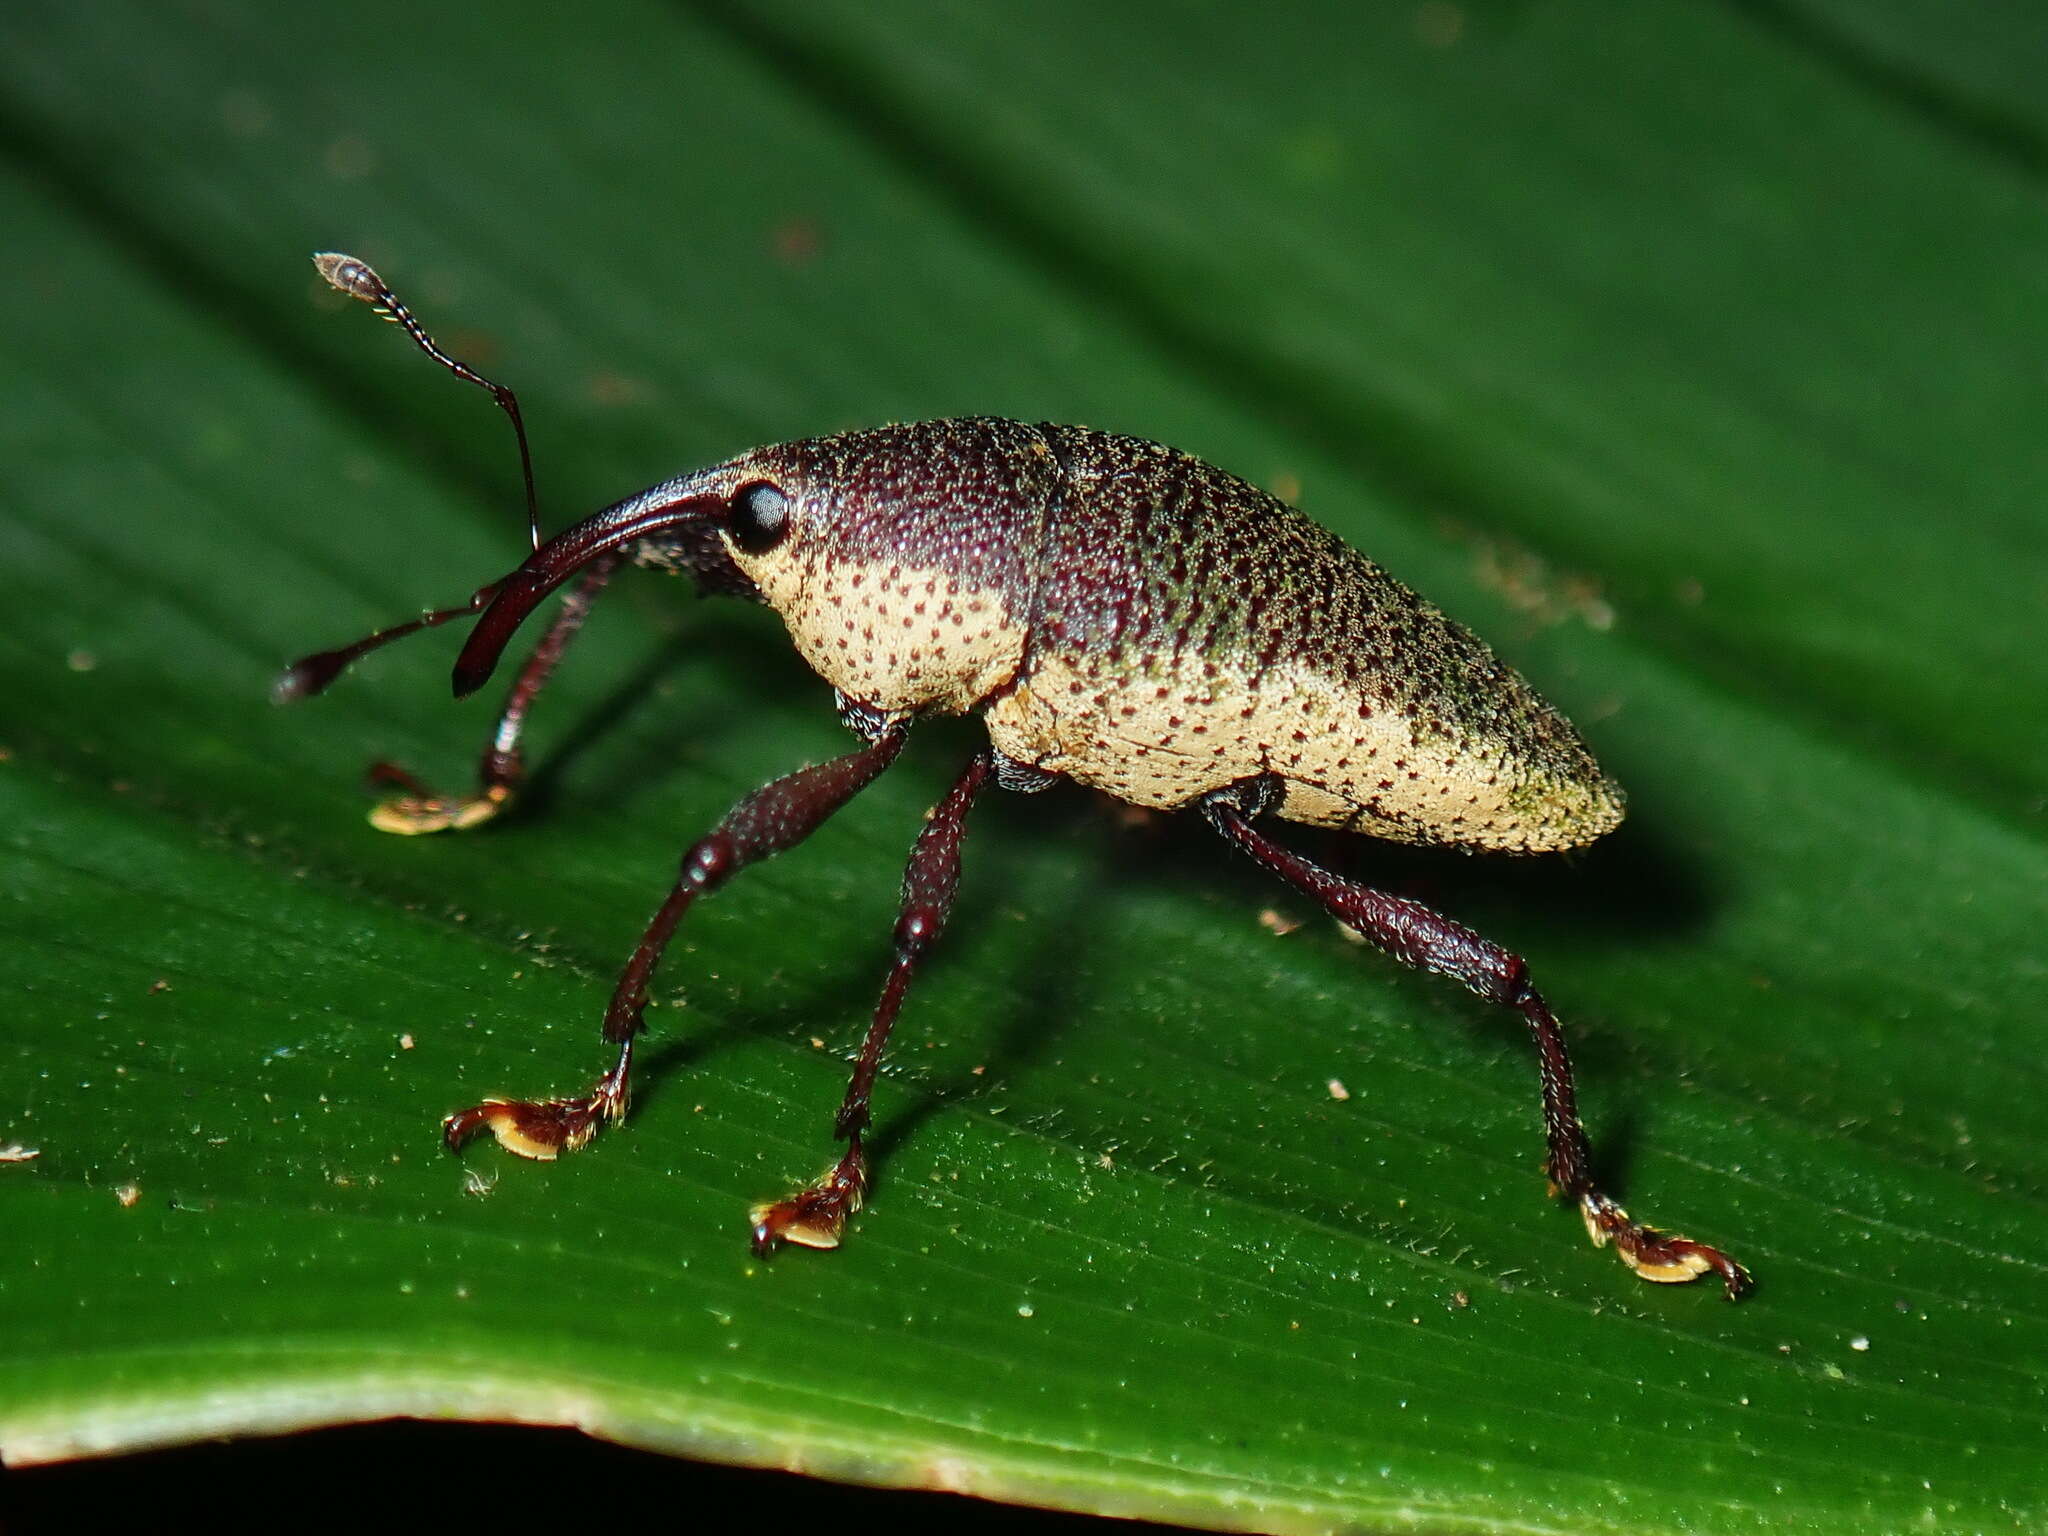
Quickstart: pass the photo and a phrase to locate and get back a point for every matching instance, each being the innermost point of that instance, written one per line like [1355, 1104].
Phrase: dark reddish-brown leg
[769, 820]
[816, 1215]
[1417, 936]
[417, 808]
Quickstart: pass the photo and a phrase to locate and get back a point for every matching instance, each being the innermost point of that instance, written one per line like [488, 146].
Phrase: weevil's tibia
[502, 771]
[1415, 935]
[765, 823]
[815, 1216]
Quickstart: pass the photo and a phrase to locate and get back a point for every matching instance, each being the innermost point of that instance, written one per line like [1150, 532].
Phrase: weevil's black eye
[760, 517]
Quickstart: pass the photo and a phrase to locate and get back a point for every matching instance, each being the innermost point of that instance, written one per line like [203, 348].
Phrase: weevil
[1120, 615]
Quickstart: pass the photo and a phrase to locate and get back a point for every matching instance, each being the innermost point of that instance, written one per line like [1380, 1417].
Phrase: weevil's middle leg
[1415, 935]
[815, 1216]
[416, 808]
[771, 819]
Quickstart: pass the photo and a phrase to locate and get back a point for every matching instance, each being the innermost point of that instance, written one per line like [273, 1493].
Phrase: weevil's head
[693, 524]
[898, 557]
[938, 520]
[701, 524]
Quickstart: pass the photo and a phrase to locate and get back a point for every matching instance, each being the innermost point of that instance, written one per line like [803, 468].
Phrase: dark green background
[1694, 353]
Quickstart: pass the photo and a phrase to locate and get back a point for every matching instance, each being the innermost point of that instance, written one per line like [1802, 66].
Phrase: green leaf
[1690, 353]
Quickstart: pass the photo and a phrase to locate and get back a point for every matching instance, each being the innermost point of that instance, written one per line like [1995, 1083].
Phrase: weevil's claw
[540, 1129]
[1665, 1258]
[813, 1217]
[417, 810]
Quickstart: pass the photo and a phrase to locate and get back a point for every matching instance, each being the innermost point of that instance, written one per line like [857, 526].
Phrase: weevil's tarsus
[1418, 936]
[312, 674]
[541, 1129]
[417, 808]
[765, 823]
[1663, 1257]
[359, 280]
[816, 1215]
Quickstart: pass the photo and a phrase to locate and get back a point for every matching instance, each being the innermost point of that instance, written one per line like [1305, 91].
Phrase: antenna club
[351, 275]
[308, 676]
[359, 280]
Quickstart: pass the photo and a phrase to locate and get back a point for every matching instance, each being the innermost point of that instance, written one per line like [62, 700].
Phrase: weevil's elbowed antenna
[311, 674]
[506, 602]
[359, 280]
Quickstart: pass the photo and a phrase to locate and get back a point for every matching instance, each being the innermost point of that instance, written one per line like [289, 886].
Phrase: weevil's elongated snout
[657, 510]
[681, 513]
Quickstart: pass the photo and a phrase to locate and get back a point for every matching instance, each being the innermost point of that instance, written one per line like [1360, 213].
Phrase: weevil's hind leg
[815, 1216]
[416, 808]
[1415, 935]
[771, 819]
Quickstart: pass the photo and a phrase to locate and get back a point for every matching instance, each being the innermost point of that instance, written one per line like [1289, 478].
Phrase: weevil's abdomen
[1189, 631]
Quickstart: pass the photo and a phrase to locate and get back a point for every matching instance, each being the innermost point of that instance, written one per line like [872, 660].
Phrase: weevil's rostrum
[1123, 616]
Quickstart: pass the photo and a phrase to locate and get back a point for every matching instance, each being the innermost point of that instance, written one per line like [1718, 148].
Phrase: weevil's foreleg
[816, 1215]
[502, 771]
[1418, 936]
[765, 823]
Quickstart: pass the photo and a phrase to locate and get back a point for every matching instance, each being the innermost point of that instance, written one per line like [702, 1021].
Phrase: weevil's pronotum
[1119, 614]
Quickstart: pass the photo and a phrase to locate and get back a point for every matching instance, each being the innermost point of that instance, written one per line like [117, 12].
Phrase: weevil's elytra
[1121, 615]
[1192, 631]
